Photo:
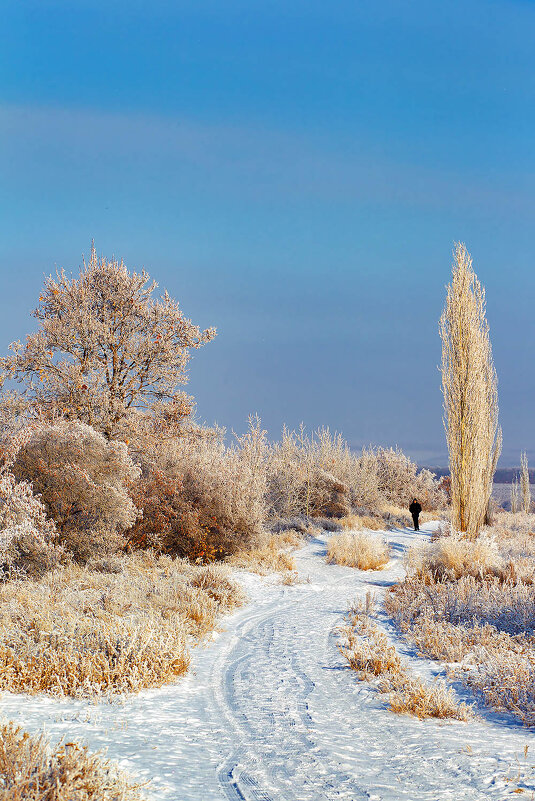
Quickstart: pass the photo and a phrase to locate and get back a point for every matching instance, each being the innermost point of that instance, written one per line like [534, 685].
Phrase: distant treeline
[503, 475]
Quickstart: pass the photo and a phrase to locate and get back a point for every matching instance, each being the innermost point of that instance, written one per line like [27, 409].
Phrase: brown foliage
[171, 524]
[81, 479]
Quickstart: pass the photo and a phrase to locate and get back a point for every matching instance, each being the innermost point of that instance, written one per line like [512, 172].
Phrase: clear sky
[294, 173]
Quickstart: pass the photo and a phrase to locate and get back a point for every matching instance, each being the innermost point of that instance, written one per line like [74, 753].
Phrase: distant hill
[503, 475]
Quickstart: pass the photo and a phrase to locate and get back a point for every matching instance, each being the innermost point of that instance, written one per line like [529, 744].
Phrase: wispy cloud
[243, 161]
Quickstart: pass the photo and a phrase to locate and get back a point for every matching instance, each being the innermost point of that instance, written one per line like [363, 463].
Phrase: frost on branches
[105, 348]
[27, 537]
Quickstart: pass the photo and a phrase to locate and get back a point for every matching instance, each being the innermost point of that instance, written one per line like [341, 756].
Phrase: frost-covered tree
[470, 391]
[515, 496]
[525, 488]
[105, 347]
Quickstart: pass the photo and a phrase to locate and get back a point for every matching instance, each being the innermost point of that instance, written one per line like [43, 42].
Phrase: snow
[271, 712]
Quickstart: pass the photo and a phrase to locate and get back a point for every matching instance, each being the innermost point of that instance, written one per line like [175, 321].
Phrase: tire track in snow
[263, 693]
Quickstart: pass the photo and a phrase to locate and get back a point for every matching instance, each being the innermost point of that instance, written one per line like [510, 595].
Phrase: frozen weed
[77, 632]
[358, 549]
[30, 770]
[369, 653]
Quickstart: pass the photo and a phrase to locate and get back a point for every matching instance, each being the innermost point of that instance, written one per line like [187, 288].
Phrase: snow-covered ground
[270, 711]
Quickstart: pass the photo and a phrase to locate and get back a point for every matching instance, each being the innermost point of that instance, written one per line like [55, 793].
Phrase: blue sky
[295, 173]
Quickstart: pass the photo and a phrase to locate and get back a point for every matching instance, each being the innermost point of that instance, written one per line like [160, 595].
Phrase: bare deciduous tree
[105, 347]
[470, 391]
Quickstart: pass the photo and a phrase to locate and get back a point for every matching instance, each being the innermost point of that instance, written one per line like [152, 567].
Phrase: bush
[81, 479]
[30, 770]
[171, 524]
[304, 471]
[358, 549]
[27, 539]
[201, 499]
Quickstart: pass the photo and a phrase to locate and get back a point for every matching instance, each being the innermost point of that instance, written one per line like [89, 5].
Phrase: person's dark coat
[415, 508]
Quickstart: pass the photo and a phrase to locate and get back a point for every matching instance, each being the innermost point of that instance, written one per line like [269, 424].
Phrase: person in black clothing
[415, 509]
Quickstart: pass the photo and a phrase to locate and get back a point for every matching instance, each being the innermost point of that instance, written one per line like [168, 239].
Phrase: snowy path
[271, 712]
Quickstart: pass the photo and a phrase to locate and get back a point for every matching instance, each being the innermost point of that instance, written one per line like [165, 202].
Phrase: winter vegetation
[368, 652]
[358, 549]
[470, 391]
[126, 528]
[470, 603]
[31, 770]
[115, 503]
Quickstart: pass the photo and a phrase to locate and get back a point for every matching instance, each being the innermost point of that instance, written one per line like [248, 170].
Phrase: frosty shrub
[27, 538]
[105, 347]
[81, 632]
[31, 770]
[358, 549]
[81, 479]
[201, 498]
[319, 475]
[308, 475]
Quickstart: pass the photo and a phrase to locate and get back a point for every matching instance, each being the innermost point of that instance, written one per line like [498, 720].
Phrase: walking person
[415, 508]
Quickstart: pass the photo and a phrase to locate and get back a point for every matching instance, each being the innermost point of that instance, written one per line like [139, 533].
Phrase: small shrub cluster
[80, 631]
[371, 656]
[201, 499]
[30, 770]
[274, 556]
[358, 549]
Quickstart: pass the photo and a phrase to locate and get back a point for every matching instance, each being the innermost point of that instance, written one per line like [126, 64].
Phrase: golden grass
[355, 522]
[79, 632]
[273, 557]
[358, 549]
[32, 771]
[371, 656]
[454, 557]
[472, 604]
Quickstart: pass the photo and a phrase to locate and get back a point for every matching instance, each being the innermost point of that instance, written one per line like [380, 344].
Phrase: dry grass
[453, 557]
[354, 522]
[369, 653]
[79, 632]
[274, 557]
[472, 604]
[358, 549]
[32, 771]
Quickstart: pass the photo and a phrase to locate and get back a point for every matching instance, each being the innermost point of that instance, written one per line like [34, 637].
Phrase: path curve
[272, 713]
